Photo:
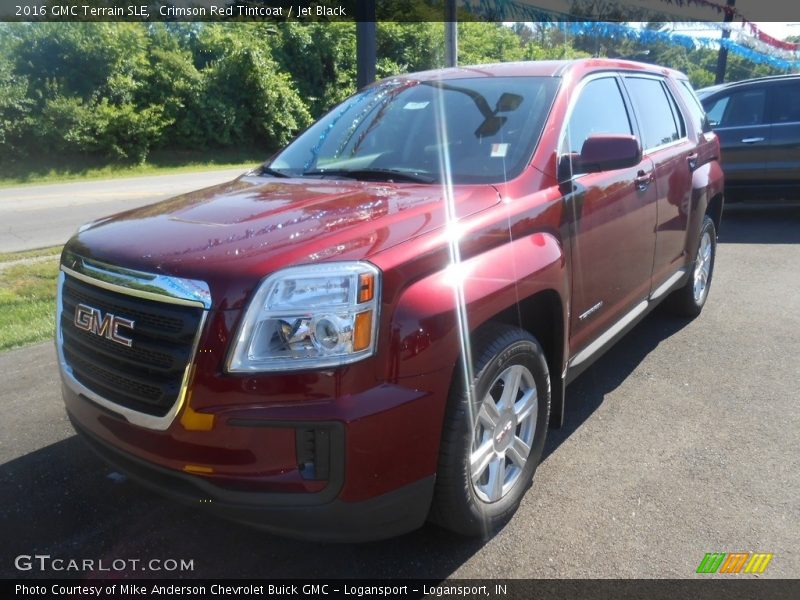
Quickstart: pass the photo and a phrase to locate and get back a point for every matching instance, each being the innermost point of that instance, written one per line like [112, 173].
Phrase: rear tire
[492, 442]
[689, 300]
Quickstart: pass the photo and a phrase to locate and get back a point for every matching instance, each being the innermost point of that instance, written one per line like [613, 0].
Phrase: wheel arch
[523, 283]
[714, 210]
[542, 315]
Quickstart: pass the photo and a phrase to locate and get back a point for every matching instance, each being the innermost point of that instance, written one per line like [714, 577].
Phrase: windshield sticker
[415, 105]
[499, 150]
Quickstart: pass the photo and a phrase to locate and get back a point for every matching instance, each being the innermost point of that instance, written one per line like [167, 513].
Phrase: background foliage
[115, 92]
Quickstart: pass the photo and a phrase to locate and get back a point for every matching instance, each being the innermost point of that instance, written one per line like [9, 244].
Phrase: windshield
[404, 130]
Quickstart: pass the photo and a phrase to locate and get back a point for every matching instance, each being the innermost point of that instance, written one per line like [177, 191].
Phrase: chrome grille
[146, 377]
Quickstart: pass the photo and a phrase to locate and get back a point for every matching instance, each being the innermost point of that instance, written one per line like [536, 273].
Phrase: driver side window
[599, 109]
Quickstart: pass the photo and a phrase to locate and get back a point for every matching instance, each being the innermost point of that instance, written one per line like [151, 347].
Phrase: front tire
[492, 440]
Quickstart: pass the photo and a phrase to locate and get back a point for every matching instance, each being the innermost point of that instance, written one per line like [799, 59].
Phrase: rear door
[739, 117]
[782, 165]
[612, 216]
[666, 143]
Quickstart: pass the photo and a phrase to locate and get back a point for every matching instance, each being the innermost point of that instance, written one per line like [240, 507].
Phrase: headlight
[311, 316]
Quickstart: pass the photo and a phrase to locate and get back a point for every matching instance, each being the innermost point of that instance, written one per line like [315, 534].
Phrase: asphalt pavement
[682, 440]
[35, 216]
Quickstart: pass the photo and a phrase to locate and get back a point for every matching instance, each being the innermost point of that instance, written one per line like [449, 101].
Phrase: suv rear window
[786, 103]
[696, 111]
[656, 111]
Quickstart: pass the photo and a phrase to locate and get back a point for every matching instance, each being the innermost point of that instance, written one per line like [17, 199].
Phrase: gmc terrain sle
[376, 327]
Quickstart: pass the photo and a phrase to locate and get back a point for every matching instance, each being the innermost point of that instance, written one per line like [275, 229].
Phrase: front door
[612, 217]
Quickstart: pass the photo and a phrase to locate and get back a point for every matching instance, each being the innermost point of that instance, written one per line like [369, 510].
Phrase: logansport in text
[132, 589]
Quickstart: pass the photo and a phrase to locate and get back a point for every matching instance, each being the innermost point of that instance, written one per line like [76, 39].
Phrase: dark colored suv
[377, 327]
[758, 124]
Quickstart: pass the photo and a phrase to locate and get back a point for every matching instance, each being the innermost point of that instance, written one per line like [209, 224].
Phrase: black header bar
[394, 10]
[733, 588]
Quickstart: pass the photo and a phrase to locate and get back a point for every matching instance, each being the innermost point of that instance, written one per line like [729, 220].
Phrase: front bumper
[315, 517]
[344, 454]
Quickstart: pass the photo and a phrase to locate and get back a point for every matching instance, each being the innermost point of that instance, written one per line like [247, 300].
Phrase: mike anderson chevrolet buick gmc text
[376, 327]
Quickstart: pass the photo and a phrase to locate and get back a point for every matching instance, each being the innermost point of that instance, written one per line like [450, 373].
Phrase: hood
[232, 235]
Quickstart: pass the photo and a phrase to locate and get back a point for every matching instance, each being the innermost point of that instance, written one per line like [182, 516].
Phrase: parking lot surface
[683, 439]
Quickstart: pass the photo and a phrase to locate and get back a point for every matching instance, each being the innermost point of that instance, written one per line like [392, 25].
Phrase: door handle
[692, 160]
[752, 140]
[643, 180]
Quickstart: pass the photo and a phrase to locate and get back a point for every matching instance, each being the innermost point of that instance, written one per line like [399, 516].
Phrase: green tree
[15, 108]
[320, 58]
[86, 82]
[246, 99]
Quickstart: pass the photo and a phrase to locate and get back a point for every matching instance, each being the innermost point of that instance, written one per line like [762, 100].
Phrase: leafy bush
[14, 110]
[115, 91]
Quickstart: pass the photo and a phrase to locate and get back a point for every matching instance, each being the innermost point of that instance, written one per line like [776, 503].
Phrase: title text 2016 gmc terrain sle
[376, 327]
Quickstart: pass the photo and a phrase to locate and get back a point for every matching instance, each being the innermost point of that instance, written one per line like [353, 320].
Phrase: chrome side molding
[637, 311]
[668, 284]
[609, 334]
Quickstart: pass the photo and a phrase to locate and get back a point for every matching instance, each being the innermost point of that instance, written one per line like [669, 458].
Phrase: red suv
[376, 327]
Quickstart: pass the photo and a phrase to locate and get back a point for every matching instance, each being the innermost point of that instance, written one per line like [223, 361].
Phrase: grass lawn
[8, 257]
[27, 296]
[55, 170]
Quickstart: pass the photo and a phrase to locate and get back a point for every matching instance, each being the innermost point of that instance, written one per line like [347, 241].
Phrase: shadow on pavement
[587, 392]
[753, 224]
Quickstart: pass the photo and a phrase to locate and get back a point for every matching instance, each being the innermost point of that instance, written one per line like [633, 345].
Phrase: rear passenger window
[599, 109]
[656, 111]
[786, 103]
[696, 111]
[739, 109]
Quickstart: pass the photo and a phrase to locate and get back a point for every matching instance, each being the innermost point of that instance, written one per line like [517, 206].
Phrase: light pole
[366, 45]
[722, 58]
[450, 34]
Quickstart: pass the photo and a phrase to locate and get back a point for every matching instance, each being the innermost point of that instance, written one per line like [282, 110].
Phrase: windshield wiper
[390, 175]
[270, 171]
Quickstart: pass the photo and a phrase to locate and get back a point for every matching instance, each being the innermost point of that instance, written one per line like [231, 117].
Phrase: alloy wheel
[503, 433]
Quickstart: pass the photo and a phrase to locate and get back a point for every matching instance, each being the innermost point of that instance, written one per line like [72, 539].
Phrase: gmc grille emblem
[92, 320]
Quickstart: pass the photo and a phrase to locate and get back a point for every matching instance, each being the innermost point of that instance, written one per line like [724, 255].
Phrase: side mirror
[606, 152]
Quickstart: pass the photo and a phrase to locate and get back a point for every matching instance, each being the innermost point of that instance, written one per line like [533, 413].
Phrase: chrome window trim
[655, 149]
[125, 281]
[620, 76]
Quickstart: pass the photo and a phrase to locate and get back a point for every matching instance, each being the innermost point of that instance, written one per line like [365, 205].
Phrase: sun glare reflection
[456, 267]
